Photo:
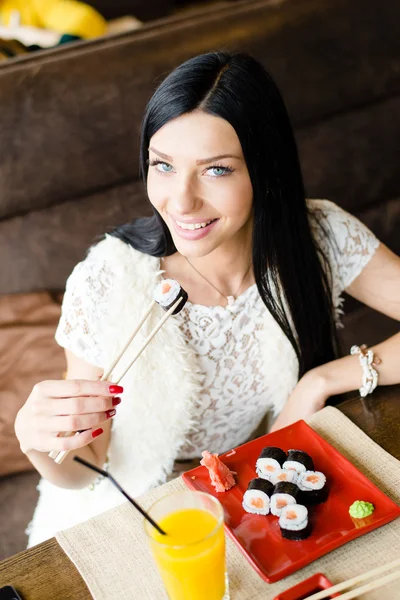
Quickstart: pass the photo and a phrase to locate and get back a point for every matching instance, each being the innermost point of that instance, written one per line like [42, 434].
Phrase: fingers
[78, 440]
[78, 406]
[70, 388]
[78, 422]
[65, 406]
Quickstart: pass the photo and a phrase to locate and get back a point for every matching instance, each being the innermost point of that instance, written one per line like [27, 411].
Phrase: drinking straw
[131, 500]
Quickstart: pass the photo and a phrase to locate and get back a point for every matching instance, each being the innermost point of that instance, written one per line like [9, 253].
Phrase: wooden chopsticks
[355, 581]
[111, 367]
[57, 456]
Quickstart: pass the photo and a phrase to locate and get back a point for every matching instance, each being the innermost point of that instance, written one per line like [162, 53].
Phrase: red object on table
[221, 477]
[312, 585]
[259, 537]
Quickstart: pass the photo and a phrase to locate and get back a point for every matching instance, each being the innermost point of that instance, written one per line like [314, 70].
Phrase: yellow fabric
[64, 16]
[26, 9]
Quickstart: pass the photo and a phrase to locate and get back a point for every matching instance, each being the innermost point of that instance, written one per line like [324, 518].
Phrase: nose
[185, 199]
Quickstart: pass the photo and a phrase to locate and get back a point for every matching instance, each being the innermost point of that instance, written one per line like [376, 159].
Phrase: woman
[264, 270]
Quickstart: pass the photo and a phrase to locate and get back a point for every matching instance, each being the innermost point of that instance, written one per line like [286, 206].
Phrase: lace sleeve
[347, 244]
[84, 305]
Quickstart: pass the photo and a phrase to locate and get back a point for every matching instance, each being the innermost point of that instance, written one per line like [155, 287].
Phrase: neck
[227, 265]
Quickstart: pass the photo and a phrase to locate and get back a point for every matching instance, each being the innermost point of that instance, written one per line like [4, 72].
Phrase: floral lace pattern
[346, 242]
[235, 397]
[84, 305]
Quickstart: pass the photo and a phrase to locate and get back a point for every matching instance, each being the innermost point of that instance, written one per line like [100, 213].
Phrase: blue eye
[162, 167]
[165, 167]
[219, 171]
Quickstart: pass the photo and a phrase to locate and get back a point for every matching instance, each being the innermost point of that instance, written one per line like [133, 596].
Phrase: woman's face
[199, 183]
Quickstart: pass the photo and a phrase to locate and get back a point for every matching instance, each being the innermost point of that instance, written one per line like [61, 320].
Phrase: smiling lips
[194, 230]
[193, 226]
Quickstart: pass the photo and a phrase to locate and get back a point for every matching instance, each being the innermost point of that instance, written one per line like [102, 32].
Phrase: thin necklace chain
[231, 298]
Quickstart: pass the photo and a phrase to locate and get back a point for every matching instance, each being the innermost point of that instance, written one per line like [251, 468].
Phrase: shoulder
[345, 241]
[326, 218]
[100, 287]
[113, 250]
[111, 267]
[325, 213]
[113, 258]
[329, 224]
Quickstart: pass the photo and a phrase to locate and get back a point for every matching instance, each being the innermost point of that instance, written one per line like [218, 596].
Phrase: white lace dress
[235, 393]
[209, 378]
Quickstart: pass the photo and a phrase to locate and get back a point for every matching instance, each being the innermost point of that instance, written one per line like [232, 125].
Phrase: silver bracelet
[369, 375]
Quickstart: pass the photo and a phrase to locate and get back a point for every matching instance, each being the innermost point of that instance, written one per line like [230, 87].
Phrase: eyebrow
[200, 161]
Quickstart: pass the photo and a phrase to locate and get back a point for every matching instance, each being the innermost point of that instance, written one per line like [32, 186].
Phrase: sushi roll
[313, 488]
[284, 494]
[256, 498]
[294, 523]
[270, 461]
[167, 292]
[284, 475]
[298, 461]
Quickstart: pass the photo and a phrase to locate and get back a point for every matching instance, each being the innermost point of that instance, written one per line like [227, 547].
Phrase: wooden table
[46, 573]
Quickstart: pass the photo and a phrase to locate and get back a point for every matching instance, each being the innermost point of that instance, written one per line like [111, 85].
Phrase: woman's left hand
[309, 396]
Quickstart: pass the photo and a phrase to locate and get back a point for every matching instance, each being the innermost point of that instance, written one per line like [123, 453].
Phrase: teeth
[193, 226]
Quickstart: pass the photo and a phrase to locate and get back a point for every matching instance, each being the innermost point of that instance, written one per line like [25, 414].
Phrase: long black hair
[292, 281]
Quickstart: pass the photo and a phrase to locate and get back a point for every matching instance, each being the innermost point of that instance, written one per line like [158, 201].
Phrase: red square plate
[259, 537]
[314, 584]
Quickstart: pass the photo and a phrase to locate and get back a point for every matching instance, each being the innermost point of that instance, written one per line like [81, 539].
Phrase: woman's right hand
[55, 407]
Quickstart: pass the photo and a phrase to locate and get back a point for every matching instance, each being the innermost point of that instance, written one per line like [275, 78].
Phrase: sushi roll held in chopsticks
[313, 488]
[294, 523]
[298, 461]
[284, 494]
[270, 461]
[256, 498]
[167, 292]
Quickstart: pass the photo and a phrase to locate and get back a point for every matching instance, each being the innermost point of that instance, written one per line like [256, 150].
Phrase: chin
[193, 249]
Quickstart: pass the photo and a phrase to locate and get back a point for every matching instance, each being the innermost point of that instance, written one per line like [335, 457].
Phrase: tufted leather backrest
[69, 121]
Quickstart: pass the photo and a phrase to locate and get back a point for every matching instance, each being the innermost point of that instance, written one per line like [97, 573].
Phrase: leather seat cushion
[28, 354]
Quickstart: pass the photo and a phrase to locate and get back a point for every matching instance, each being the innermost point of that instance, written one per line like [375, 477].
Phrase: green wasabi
[360, 509]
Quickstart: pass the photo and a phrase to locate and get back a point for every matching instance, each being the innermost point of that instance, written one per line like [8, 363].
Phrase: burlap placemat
[111, 554]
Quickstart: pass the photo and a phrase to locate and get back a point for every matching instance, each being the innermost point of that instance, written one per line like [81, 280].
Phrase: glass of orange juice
[191, 556]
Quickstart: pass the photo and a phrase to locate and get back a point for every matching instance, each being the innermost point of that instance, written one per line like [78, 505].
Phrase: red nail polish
[110, 413]
[115, 389]
[97, 432]
[116, 401]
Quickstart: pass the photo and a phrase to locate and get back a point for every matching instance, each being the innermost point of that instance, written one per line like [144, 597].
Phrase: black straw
[111, 478]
